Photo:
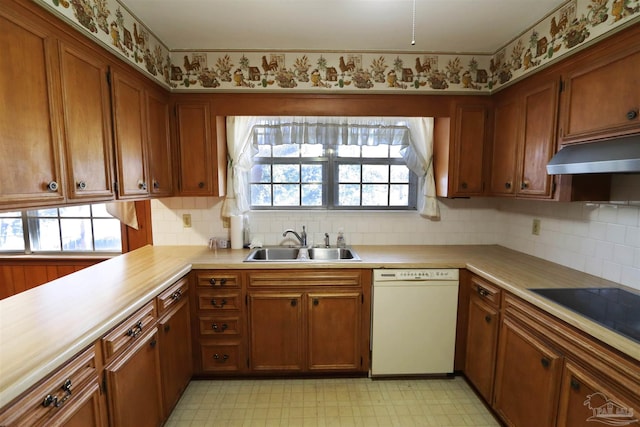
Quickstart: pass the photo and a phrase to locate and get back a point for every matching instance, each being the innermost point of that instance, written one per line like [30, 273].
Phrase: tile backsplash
[600, 239]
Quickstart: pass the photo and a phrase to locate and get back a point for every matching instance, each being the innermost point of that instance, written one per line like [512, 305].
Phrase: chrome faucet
[326, 240]
[302, 238]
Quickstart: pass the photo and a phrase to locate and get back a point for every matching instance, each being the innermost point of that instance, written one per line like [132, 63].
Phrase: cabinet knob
[487, 318]
[525, 184]
[156, 185]
[216, 305]
[294, 303]
[632, 115]
[153, 343]
[167, 328]
[142, 185]
[575, 384]
[81, 185]
[507, 185]
[220, 328]
[316, 301]
[52, 186]
[464, 185]
[201, 184]
[545, 362]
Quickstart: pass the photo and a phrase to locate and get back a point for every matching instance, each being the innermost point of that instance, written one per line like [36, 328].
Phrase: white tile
[616, 233]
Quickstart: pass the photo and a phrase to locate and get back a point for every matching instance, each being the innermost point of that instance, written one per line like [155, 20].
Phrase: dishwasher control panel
[411, 274]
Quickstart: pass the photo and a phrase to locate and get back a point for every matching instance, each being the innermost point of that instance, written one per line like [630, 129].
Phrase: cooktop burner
[613, 308]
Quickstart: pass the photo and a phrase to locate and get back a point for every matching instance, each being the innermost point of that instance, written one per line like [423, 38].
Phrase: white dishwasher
[413, 329]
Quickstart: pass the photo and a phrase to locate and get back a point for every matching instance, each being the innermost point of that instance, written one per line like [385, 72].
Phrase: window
[70, 229]
[333, 174]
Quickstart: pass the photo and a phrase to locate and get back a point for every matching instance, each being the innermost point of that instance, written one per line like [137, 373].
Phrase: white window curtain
[244, 133]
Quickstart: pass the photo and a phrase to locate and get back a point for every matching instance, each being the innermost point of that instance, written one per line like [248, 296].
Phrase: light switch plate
[186, 220]
[535, 227]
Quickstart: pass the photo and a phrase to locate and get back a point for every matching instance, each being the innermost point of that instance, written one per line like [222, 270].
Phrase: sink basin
[301, 255]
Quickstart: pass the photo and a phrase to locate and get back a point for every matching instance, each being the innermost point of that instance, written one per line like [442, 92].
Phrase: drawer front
[299, 278]
[486, 291]
[172, 295]
[218, 279]
[54, 394]
[219, 300]
[219, 326]
[128, 331]
[221, 357]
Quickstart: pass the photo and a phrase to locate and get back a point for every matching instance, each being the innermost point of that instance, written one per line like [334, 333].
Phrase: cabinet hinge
[362, 298]
[561, 85]
[109, 77]
[361, 360]
[247, 362]
[115, 188]
[246, 300]
[553, 187]
[104, 383]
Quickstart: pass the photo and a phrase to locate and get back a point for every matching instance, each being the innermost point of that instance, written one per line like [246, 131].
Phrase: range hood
[620, 155]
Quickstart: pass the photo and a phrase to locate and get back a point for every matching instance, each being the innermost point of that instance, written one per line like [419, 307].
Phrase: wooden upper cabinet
[507, 114]
[130, 135]
[201, 149]
[601, 96]
[30, 172]
[160, 163]
[459, 148]
[540, 112]
[87, 124]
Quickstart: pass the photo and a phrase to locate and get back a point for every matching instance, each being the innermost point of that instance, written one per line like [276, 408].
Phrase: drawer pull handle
[53, 400]
[176, 295]
[216, 305]
[482, 291]
[213, 281]
[575, 384]
[221, 328]
[136, 330]
[545, 362]
[222, 358]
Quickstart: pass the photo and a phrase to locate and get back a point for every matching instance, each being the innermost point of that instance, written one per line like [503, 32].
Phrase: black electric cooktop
[613, 308]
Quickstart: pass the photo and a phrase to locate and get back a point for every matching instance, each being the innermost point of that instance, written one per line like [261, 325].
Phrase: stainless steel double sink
[286, 254]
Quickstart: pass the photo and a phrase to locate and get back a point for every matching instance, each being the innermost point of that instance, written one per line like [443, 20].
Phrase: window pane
[375, 173]
[10, 214]
[286, 173]
[311, 173]
[399, 173]
[311, 195]
[348, 173]
[11, 234]
[100, 210]
[76, 211]
[260, 194]
[311, 150]
[43, 212]
[261, 173]
[107, 235]
[286, 195]
[349, 195]
[286, 150]
[45, 234]
[378, 151]
[348, 151]
[399, 195]
[76, 234]
[375, 195]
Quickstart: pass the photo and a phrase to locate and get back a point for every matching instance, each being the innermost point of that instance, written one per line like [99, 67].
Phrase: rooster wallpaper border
[567, 28]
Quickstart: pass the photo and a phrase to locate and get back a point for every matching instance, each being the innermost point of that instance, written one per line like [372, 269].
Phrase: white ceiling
[461, 26]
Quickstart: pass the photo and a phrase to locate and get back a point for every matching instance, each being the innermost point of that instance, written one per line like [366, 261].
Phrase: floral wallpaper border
[565, 29]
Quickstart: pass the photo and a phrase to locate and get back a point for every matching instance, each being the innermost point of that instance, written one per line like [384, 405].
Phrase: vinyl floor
[330, 402]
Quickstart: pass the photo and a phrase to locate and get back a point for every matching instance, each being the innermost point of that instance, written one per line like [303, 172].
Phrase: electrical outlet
[535, 227]
[186, 220]
[226, 222]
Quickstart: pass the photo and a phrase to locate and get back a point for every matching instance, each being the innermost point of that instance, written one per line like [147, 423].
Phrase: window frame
[330, 191]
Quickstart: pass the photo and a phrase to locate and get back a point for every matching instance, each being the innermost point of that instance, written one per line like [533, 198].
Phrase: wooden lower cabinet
[69, 397]
[176, 363]
[527, 378]
[133, 384]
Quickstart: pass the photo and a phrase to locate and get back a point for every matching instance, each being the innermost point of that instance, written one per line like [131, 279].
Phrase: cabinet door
[29, 115]
[539, 141]
[129, 124]
[276, 331]
[334, 330]
[87, 125]
[160, 167]
[176, 364]
[527, 379]
[482, 340]
[469, 150]
[133, 384]
[195, 144]
[601, 97]
[505, 147]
